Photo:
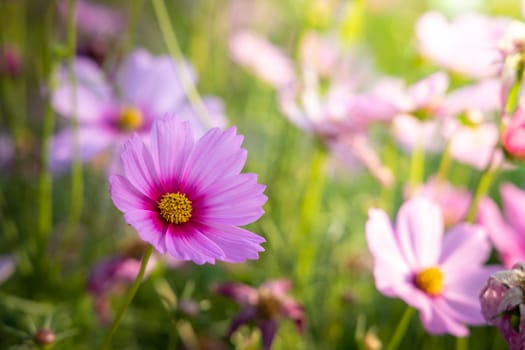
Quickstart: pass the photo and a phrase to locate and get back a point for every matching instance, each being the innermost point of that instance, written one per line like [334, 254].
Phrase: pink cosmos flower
[467, 45]
[502, 304]
[264, 305]
[186, 197]
[144, 88]
[439, 274]
[513, 137]
[506, 232]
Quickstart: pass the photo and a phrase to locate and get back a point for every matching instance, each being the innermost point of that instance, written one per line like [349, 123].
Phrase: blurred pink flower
[186, 196]
[320, 54]
[468, 123]
[482, 96]
[10, 61]
[264, 305]
[339, 115]
[475, 144]
[502, 304]
[108, 112]
[467, 45]
[513, 137]
[416, 124]
[260, 56]
[438, 274]
[7, 267]
[97, 19]
[453, 201]
[506, 232]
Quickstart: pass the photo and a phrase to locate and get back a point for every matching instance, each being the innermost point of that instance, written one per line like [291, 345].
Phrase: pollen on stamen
[130, 118]
[430, 281]
[175, 208]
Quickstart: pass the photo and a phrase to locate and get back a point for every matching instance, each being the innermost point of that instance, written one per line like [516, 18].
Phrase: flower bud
[503, 305]
[44, 337]
[513, 137]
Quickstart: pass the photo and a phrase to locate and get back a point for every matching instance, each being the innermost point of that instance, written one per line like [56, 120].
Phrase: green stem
[401, 329]
[482, 185]
[172, 44]
[133, 15]
[417, 166]
[462, 343]
[45, 181]
[444, 164]
[77, 178]
[127, 301]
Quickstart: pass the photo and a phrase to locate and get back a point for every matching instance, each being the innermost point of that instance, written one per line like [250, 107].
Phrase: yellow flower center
[268, 305]
[175, 208]
[130, 119]
[430, 281]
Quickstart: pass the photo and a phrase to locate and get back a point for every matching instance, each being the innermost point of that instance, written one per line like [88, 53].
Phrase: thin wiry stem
[172, 44]
[45, 182]
[401, 329]
[77, 177]
[129, 297]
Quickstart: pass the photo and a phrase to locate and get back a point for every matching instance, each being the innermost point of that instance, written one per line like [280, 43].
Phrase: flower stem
[462, 343]
[401, 329]
[77, 177]
[45, 182]
[444, 164]
[129, 297]
[170, 39]
[482, 185]
[417, 166]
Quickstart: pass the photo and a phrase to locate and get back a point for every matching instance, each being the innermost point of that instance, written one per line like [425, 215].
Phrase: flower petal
[419, 229]
[188, 243]
[152, 82]
[241, 293]
[90, 96]
[216, 155]
[235, 200]
[268, 327]
[7, 267]
[514, 205]
[91, 141]
[462, 290]
[390, 267]
[149, 226]
[139, 168]
[441, 320]
[125, 195]
[237, 244]
[464, 245]
[171, 144]
[507, 241]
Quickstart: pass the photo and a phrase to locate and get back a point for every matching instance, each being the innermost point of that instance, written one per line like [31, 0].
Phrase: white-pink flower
[467, 45]
[438, 274]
